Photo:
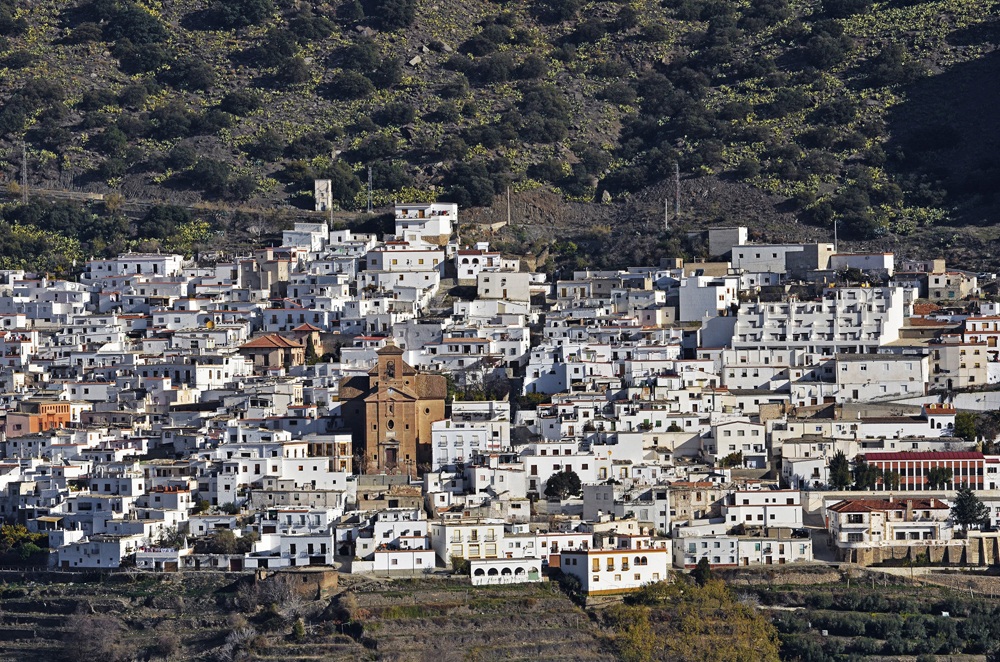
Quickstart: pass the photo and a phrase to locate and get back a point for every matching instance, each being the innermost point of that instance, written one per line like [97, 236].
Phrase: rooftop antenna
[24, 173]
[369, 189]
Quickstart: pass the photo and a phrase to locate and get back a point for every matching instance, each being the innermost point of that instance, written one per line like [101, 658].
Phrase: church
[390, 412]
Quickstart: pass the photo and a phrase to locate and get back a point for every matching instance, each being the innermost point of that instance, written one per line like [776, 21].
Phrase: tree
[732, 460]
[563, 484]
[865, 476]
[702, 572]
[311, 357]
[969, 510]
[965, 425]
[938, 477]
[840, 471]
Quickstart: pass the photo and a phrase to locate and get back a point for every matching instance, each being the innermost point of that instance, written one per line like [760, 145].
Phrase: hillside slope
[867, 114]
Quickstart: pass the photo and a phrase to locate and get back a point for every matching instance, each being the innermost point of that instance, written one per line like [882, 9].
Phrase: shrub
[241, 13]
[182, 157]
[747, 168]
[126, 20]
[388, 73]
[308, 146]
[457, 88]
[395, 14]
[293, 71]
[838, 111]
[278, 46]
[494, 69]
[627, 18]
[478, 45]
[374, 148]
[531, 67]
[308, 27]
[361, 56]
[239, 188]
[549, 170]
[96, 99]
[240, 102]
[453, 148]
[135, 95]
[845, 8]
[787, 100]
[268, 146]
[655, 32]
[351, 85]
[111, 142]
[589, 31]
[190, 73]
[893, 67]
[140, 58]
[161, 221]
[211, 175]
[211, 121]
[556, 11]
[619, 93]
[395, 114]
[609, 69]
[18, 60]
[390, 176]
[171, 121]
[351, 12]
[823, 51]
[85, 33]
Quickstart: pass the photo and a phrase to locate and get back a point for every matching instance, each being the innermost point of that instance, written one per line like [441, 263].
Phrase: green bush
[395, 14]
[532, 67]
[189, 73]
[293, 71]
[240, 102]
[308, 146]
[395, 114]
[269, 146]
[350, 85]
[242, 13]
[85, 33]
[619, 93]
[748, 168]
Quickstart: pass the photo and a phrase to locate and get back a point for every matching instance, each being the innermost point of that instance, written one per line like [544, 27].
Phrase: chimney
[909, 510]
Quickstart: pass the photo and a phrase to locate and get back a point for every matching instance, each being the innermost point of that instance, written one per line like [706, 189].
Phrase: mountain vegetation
[837, 105]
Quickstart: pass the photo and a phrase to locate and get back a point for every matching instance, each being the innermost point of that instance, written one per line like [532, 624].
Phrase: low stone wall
[975, 551]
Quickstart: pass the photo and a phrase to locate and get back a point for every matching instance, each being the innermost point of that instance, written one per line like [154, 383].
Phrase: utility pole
[508, 205]
[666, 215]
[24, 173]
[370, 207]
[834, 236]
[677, 191]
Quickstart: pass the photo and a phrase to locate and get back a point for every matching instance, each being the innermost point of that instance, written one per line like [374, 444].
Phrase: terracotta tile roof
[272, 341]
[306, 327]
[868, 505]
[921, 457]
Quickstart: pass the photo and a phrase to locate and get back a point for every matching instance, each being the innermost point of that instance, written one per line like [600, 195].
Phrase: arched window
[518, 571]
[479, 572]
[638, 561]
[505, 571]
[643, 561]
[493, 572]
